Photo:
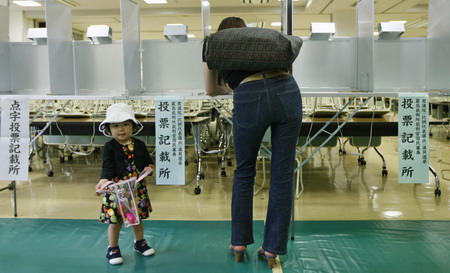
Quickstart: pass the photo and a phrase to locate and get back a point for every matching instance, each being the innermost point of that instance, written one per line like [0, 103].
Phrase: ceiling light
[38, 36]
[156, 1]
[27, 3]
[322, 31]
[255, 24]
[276, 24]
[99, 34]
[69, 3]
[191, 36]
[176, 32]
[390, 30]
[255, 1]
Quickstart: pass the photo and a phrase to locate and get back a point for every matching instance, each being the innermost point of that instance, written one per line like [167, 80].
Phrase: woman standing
[262, 100]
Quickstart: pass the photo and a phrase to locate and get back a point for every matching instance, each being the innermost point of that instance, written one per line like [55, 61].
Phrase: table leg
[197, 141]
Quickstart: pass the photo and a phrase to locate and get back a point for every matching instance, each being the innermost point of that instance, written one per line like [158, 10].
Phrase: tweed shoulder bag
[251, 49]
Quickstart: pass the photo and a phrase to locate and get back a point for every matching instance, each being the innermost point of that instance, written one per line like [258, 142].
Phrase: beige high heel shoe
[238, 254]
[269, 258]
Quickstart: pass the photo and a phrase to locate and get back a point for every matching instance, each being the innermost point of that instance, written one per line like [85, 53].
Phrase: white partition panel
[129, 12]
[99, 68]
[29, 68]
[172, 66]
[326, 65]
[365, 19]
[438, 45]
[4, 49]
[206, 18]
[399, 65]
[60, 48]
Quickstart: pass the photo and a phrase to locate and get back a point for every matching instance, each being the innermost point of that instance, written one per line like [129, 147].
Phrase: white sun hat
[116, 113]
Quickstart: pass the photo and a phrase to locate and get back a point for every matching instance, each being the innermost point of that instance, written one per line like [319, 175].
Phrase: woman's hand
[228, 90]
[99, 185]
[212, 87]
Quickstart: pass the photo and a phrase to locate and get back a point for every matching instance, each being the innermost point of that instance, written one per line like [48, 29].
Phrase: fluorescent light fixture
[27, 3]
[191, 36]
[255, 1]
[276, 24]
[69, 3]
[176, 33]
[322, 31]
[255, 24]
[156, 1]
[38, 36]
[390, 30]
[99, 34]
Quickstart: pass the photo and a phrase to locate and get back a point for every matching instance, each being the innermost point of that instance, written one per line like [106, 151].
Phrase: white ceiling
[154, 17]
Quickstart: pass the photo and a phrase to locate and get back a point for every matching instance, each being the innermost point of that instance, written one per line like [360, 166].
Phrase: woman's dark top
[232, 77]
[115, 162]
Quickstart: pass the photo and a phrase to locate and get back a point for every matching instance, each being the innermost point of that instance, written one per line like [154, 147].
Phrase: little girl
[124, 157]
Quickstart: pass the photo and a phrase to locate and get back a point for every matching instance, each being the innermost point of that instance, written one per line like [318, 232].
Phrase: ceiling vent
[255, 1]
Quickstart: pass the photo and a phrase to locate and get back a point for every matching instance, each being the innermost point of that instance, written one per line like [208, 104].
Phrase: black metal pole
[293, 209]
[287, 27]
[12, 186]
[15, 197]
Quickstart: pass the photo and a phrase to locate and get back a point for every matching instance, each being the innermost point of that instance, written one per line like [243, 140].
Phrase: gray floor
[336, 188]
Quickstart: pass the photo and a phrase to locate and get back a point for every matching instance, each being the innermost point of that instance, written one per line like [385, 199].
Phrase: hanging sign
[169, 138]
[413, 140]
[15, 139]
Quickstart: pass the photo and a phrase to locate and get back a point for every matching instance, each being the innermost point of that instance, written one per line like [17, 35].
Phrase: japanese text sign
[15, 139]
[169, 135]
[413, 140]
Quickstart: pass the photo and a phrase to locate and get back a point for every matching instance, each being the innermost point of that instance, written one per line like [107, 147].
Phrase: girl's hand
[99, 185]
[150, 167]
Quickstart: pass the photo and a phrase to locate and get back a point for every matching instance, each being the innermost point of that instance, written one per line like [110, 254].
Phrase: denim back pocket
[246, 111]
[292, 102]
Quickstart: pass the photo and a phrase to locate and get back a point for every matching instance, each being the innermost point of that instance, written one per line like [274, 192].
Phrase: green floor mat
[369, 247]
[40, 245]
[54, 246]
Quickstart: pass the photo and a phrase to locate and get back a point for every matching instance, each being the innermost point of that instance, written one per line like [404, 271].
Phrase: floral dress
[110, 212]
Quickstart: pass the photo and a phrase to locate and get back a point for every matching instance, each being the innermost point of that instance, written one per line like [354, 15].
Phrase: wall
[345, 23]
[18, 26]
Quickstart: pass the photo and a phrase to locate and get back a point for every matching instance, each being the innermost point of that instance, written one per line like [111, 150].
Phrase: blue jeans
[258, 105]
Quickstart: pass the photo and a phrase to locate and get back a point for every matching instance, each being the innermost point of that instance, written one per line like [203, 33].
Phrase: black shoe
[142, 247]
[114, 256]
